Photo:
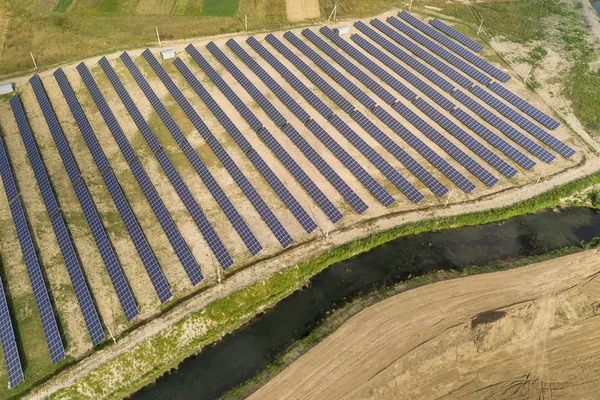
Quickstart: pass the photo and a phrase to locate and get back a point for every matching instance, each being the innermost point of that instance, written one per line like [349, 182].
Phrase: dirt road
[528, 333]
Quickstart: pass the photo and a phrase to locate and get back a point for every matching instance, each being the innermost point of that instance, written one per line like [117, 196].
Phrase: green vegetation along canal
[245, 353]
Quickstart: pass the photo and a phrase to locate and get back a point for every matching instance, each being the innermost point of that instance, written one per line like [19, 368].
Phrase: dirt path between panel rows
[527, 333]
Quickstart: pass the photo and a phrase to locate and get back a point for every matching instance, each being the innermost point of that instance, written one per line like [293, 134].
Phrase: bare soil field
[528, 333]
[300, 10]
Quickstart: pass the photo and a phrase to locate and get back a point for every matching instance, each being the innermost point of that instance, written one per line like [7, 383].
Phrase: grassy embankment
[165, 350]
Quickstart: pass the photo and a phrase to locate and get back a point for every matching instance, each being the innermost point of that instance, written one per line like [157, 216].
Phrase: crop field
[251, 146]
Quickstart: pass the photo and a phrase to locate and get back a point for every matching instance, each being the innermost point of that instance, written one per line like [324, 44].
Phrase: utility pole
[111, 335]
[410, 5]
[157, 36]
[333, 13]
[246, 22]
[542, 174]
[528, 73]
[33, 59]
[480, 28]
[448, 199]
[328, 225]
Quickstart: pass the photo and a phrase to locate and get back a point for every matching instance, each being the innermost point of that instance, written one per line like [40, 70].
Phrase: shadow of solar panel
[9, 345]
[301, 177]
[455, 47]
[209, 181]
[524, 106]
[454, 34]
[518, 119]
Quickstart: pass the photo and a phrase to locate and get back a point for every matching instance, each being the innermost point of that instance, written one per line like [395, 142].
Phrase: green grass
[220, 8]
[62, 6]
[108, 6]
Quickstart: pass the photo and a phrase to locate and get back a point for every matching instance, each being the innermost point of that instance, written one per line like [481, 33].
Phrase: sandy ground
[300, 10]
[528, 333]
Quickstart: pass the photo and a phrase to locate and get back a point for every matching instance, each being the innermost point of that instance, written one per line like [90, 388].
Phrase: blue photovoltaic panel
[322, 166]
[55, 129]
[437, 50]
[455, 47]
[505, 128]
[335, 148]
[89, 210]
[493, 139]
[106, 251]
[40, 292]
[454, 34]
[9, 344]
[418, 51]
[173, 235]
[524, 106]
[135, 232]
[209, 234]
[301, 177]
[502, 166]
[261, 166]
[209, 181]
[518, 119]
[234, 171]
[7, 178]
[65, 244]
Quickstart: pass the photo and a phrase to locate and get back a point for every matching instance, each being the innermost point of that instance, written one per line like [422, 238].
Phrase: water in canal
[246, 352]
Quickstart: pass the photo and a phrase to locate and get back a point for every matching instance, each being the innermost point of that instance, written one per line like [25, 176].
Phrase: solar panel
[135, 232]
[40, 291]
[322, 166]
[9, 345]
[298, 173]
[454, 34]
[502, 166]
[209, 234]
[261, 166]
[55, 129]
[7, 178]
[524, 106]
[173, 235]
[72, 263]
[531, 128]
[341, 154]
[455, 47]
[440, 52]
[89, 210]
[417, 51]
[209, 181]
[505, 128]
[234, 171]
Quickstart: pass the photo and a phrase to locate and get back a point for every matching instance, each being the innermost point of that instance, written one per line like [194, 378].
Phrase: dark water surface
[246, 352]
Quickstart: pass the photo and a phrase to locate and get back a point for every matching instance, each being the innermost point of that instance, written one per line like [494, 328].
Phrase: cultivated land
[174, 334]
[518, 334]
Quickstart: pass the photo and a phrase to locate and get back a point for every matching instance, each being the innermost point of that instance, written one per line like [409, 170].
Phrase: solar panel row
[65, 244]
[393, 82]
[209, 181]
[524, 106]
[375, 132]
[156, 204]
[358, 143]
[454, 34]
[91, 215]
[9, 345]
[416, 50]
[142, 247]
[439, 51]
[209, 234]
[282, 155]
[517, 118]
[322, 166]
[458, 49]
[234, 171]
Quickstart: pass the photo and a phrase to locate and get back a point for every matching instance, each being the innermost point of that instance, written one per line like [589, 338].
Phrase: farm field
[446, 158]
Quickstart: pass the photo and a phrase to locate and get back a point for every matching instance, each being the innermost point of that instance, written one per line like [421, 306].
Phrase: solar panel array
[234, 171]
[159, 282]
[517, 118]
[282, 155]
[84, 299]
[322, 166]
[9, 345]
[524, 106]
[177, 242]
[40, 292]
[209, 181]
[261, 166]
[454, 34]
[212, 239]
[458, 49]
